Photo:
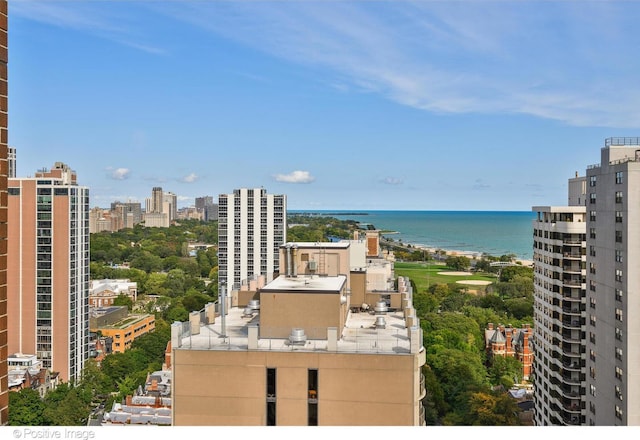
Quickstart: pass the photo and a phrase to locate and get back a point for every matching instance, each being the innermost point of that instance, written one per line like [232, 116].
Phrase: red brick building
[512, 342]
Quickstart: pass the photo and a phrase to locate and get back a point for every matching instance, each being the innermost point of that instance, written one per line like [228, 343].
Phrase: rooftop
[365, 331]
[303, 284]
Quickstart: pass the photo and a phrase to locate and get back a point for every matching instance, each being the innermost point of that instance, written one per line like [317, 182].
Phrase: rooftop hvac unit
[380, 322]
[297, 337]
[381, 307]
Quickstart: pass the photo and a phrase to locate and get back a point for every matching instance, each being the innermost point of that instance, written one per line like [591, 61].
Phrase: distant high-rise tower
[11, 157]
[613, 280]
[48, 268]
[4, 136]
[158, 209]
[252, 227]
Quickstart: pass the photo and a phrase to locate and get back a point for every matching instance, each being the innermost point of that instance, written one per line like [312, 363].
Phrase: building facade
[4, 139]
[299, 354]
[559, 254]
[252, 225]
[613, 294]
[48, 268]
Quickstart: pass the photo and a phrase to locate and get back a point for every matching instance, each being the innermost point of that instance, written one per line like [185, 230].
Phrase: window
[592, 355]
[618, 373]
[618, 334]
[618, 294]
[592, 250]
[618, 216]
[592, 408]
[619, 275]
[618, 314]
[592, 198]
[592, 337]
[592, 216]
[592, 372]
[618, 412]
[592, 268]
[618, 196]
[618, 236]
[313, 398]
[619, 175]
[592, 181]
[592, 390]
[619, 353]
[618, 392]
[592, 285]
[271, 397]
[592, 320]
[618, 256]
[592, 232]
[592, 302]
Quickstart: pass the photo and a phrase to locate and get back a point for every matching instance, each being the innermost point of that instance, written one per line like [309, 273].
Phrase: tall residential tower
[613, 279]
[48, 269]
[252, 225]
[559, 310]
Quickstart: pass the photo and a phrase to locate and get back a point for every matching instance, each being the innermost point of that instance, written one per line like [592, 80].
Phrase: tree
[25, 408]
[490, 409]
[195, 300]
[505, 370]
[457, 262]
[123, 300]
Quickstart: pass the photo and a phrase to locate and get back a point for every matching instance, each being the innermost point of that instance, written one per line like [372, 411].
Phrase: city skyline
[421, 105]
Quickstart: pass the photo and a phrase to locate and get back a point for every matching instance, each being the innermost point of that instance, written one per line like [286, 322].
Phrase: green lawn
[426, 274]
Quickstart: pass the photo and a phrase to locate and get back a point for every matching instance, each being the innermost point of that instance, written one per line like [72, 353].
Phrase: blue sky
[416, 105]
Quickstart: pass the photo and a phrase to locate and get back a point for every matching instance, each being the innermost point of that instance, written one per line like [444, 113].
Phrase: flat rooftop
[317, 245]
[302, 284]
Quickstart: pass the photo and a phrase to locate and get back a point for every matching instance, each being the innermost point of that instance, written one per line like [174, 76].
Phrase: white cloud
[190, 178]
[545, 59]
[392, 181]
[295, 177]
[119, 173]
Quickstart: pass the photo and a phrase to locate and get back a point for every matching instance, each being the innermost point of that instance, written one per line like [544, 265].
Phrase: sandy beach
[469, 254]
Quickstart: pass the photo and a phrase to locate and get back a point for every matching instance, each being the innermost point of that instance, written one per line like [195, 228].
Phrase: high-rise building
[252, 225]
[613, 294]
[48, 268]
[11, 157]
[559, 310]
[126, 214]
[170, 205]
[206, 206]
[157, 212]
[4, 138]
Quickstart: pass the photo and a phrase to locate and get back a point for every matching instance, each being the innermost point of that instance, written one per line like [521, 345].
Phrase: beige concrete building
[299, 354]
[48, 268]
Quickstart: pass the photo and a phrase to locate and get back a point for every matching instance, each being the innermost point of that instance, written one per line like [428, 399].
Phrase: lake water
[492, 232]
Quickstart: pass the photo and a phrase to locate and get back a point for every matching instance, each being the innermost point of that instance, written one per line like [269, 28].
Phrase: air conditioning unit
[313, 265]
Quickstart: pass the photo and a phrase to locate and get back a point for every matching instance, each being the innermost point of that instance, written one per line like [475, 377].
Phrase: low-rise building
[123, 328]
[104, 292]
[511, 342]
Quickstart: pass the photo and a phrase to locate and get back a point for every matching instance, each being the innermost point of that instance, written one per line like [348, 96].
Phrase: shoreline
[461, 253]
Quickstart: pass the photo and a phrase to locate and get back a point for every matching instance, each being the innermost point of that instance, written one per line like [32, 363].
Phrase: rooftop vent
[254, 304]
[380, 322]
[247, 312]
[297, 336]
[380, 308]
